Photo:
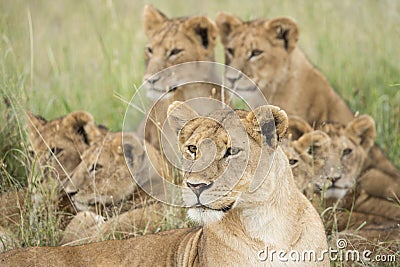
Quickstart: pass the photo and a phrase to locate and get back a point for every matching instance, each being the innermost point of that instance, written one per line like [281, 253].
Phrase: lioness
[267, 52]
[238, 225]
[172, 41]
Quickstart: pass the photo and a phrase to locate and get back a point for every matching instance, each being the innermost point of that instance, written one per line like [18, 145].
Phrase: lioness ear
[361, 130]
[153, 19]
[226, 24]
[311, 139]
[82, 124]
[284, 32]
[271, 121]
[203, 30]
[34, 122]
[178, 114]
[297, 127]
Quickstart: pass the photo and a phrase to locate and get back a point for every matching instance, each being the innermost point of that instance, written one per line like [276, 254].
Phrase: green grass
[60, 56]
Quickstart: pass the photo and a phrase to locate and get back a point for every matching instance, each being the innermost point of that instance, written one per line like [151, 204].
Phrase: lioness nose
[199, 187]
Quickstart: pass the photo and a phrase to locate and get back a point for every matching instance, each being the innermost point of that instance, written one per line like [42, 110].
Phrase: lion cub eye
[95, 167]
[149, 50]
[231, 151]
[347, 151]
[255, 52]
[192, 149]
[230, 51]
[55, 151]
[293, 162]
[174, 52]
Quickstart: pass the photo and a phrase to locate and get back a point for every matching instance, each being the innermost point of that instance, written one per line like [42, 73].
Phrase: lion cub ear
[179, 114]
[271, 121]
[361, 130]
[34, 122]
[284, 32]
[202, 30]
[311, 140]
[298, 127]
[153, 19]
[226, 24]
[82, 124]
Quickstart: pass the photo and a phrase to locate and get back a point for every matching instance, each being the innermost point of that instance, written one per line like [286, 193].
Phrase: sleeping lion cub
[242, 212]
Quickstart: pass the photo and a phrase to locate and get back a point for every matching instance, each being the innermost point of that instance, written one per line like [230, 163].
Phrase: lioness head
[171, 42]
[103, 179]
[261, 49]
[59, 143]
[350, 144]
[226, 155]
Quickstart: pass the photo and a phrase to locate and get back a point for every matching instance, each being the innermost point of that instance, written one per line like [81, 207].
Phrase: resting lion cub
[170, 42]
[267, 52]
[237, 225]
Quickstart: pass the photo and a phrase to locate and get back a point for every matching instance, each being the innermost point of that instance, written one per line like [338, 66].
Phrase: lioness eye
[347, 151]
[255, 53]
[95, 167]
[175, 52]
[149, 50]
[231, 151]
[192, 149]
[231, 51]
[293, 161]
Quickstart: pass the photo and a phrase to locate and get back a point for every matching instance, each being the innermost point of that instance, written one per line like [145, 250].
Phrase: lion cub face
[350, 144]
[59, 143]
[171, 42]
[221, 154]
[260, 49]
[328, 160]
[103, 179]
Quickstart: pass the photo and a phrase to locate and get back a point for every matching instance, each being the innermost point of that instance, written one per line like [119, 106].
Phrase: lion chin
[205, 216]
[336, 193]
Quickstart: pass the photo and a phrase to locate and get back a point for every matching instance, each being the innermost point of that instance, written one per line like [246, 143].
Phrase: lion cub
[267, 52]
[170, 42]
[57, 146]
[243, 212]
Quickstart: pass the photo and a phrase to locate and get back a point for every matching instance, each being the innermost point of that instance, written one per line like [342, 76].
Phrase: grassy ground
[60, 56]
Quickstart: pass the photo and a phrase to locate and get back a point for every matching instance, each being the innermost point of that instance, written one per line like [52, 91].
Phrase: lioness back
[171, 248]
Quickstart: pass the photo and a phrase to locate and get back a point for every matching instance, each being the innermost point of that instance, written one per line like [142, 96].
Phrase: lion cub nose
[334, 178]
[198, 188]
[152, 79]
